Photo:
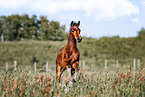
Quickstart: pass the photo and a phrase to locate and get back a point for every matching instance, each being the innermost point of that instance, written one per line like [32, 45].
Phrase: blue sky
[98, 17]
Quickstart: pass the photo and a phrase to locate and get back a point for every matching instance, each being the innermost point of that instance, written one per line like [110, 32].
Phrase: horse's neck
[71, 44]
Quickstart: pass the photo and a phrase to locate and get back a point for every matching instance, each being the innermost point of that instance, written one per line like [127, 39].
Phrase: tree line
[19, 27]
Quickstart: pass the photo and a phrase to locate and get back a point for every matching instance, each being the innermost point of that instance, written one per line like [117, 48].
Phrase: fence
[83, 66]
[117, 63]
[46, 66]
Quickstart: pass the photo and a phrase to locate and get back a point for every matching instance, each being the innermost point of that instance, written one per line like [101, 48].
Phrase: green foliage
[29, 27]
[57, 33]
[2, 19]
[16, 27]
[44, 27]
[95, 82]
[89, 84]
[141, 34]
[51, 30]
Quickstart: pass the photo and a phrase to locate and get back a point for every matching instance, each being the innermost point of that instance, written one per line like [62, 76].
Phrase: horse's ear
[78, 24]
[72, 22]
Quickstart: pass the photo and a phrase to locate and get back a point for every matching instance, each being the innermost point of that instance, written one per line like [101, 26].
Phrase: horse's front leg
[69, 68]
[59, 73]
[76, 67]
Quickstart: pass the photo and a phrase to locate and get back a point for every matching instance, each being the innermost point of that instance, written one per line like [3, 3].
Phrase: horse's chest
[73, 54]
[70, 57]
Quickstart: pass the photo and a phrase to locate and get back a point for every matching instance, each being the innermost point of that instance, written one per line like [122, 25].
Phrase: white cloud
[100, 9]
[11, 4]
[136, 20]
[143, 3]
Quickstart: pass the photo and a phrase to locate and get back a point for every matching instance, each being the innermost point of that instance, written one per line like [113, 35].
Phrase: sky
[98, 18]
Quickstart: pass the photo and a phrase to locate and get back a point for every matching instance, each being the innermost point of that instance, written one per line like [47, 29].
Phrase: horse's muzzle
[79, 39]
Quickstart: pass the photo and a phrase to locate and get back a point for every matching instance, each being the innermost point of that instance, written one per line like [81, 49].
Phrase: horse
[68, 56]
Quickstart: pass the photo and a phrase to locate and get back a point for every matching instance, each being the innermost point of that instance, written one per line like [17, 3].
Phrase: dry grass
[20, 84]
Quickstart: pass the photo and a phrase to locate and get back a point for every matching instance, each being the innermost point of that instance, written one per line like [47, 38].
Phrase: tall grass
[89, 83]
[94, 82]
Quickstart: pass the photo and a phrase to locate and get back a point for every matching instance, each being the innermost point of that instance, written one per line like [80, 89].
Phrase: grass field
[105, 83]
[94, 81]
[93, 51]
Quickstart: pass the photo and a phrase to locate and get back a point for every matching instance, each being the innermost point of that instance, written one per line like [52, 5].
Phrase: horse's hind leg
[58, 68]
[61, 71]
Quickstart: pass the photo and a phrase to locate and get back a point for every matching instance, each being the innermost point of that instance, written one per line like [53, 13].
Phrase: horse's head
[75, 31]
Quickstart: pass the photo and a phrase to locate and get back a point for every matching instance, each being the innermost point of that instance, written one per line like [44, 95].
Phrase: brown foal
[68, 56]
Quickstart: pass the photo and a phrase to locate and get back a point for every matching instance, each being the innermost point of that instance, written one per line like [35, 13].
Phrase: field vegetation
[94, 80]
[106, 83]
[93, 51]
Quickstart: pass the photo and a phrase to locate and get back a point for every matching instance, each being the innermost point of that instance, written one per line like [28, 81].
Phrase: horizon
[106, 18]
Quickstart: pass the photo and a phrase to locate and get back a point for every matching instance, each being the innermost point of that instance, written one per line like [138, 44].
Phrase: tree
[25, 29]
[141, 33]
[12, 27]
[2, 20]
[44, 27]
[34, 26]
[29, 27]
[56, 32]
[16, 27]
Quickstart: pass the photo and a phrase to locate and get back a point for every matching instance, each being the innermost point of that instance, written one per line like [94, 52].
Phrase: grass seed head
[41, 78]
[15, 83]
[22, 91]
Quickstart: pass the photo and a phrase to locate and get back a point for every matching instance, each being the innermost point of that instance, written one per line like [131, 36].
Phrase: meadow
[93, 81]
[94, 51]
[106, 83]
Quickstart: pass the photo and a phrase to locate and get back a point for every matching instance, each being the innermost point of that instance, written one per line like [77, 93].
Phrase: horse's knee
[76, 66]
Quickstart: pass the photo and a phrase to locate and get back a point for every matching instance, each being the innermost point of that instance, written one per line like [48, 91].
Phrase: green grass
[89, 83]
[95, 81]
[93, 51]
[26, 52]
